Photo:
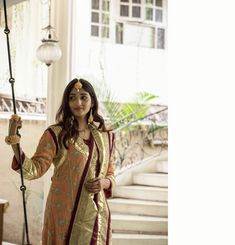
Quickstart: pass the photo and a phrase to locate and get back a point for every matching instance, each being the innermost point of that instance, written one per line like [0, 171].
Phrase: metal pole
[12, 81]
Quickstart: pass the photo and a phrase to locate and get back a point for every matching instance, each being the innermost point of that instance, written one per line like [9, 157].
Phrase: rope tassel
[12, 81]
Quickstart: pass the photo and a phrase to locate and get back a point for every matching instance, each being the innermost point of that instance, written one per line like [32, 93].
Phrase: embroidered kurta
[73, 215]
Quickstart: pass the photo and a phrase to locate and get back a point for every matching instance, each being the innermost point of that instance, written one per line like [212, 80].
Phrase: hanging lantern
[49, 51]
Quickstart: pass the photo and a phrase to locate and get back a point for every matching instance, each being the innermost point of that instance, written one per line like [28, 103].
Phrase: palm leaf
[123, 113]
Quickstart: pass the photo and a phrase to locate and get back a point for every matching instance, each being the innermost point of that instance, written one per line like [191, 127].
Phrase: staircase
[140, 210]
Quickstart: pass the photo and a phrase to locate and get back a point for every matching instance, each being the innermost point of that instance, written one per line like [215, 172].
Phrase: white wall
[130, 69]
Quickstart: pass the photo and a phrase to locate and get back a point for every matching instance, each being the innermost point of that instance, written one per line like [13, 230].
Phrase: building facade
[123, 43]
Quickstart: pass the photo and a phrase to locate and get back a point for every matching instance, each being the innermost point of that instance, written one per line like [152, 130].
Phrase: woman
[81, 150]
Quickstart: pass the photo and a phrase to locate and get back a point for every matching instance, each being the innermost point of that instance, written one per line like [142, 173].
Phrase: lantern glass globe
[48, 52]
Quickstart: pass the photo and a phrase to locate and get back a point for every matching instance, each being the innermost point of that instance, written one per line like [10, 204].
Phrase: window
[158, 15]
[95, 17]
[160, 38]
[142, 10]
[105, 6]
[124, 10]
[141, 23]
[154, 10]
[95, 31]
[149, 13]
[130, 8]
[105, 31]
[119, 33]
[135, 35]
[95, 4]
[100, 18]
[158, 3]
[136, 12]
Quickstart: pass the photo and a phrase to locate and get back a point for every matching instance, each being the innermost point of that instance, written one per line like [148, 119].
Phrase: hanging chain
[12, 81]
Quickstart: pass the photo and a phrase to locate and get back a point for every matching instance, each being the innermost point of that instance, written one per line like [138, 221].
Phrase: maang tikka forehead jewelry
[78, 85]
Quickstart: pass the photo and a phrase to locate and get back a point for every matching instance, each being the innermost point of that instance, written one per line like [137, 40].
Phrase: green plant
[120, 114]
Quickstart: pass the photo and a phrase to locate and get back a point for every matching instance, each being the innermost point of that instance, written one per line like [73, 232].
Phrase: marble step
[8, 243]
[151, 179]
[141, 192]
[162, 167]
[138, 207]
[138, 239]
[139, 224]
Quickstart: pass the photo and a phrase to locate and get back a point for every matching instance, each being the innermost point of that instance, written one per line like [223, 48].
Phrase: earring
[91, 118]
[72, 119]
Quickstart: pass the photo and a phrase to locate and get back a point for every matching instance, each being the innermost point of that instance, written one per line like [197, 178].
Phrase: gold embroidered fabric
[70, 175]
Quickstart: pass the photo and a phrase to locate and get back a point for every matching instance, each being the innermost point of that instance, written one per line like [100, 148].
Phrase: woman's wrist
[107, 183]
[12, 139]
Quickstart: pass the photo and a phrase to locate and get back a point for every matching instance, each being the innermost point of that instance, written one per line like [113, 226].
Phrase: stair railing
[138, 139]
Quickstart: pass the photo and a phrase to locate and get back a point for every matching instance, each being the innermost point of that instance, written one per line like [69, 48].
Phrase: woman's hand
[98, 184]
[14, 124]
[12, 138]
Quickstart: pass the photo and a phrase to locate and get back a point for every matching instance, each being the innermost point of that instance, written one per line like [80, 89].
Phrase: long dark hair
[64, 116]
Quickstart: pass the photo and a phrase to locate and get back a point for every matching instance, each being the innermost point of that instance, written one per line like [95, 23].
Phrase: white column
[58, 72]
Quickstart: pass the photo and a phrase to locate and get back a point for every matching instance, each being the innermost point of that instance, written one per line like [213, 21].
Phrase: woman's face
[79, 102]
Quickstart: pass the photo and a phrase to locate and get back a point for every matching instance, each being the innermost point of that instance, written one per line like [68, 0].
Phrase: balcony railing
[34, 108]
